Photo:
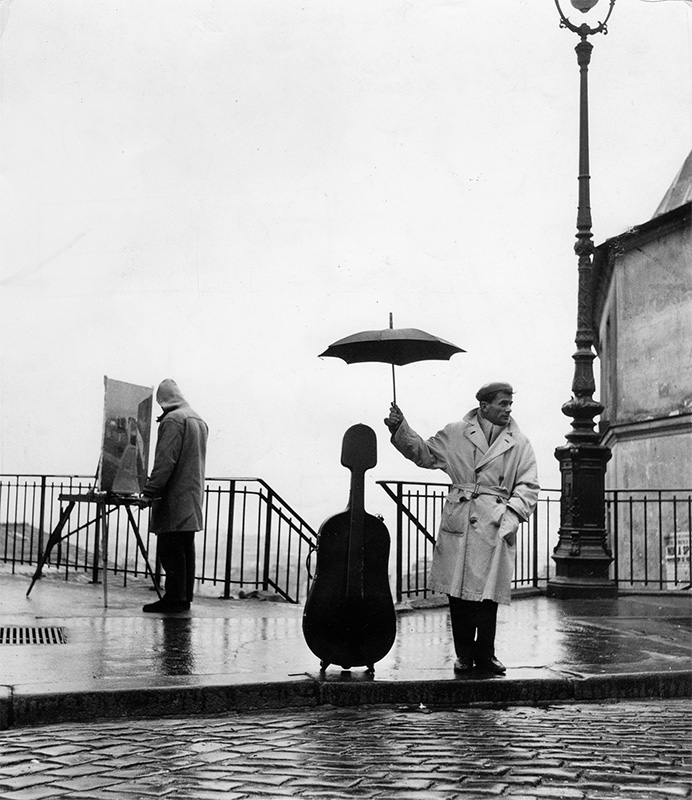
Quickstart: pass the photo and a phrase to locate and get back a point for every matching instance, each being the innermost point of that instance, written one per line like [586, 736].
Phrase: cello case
[349, 616]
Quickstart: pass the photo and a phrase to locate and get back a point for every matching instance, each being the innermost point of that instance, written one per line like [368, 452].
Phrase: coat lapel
[474, 433]
[504, 442]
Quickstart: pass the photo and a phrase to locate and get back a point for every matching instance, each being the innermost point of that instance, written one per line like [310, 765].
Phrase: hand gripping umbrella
[395, 346]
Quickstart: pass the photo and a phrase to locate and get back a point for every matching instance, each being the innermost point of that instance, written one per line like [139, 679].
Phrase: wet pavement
[250, 654]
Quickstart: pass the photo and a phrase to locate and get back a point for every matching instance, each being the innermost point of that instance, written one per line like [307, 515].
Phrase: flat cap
[490, 389]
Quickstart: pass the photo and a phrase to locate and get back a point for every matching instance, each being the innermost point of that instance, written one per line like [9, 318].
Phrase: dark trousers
[473, 627]
[176, 551]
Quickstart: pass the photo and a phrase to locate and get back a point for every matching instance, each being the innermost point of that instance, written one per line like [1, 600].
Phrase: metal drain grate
[15, 634]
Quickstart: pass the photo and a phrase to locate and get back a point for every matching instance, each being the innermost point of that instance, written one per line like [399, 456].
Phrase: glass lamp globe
[584, 5]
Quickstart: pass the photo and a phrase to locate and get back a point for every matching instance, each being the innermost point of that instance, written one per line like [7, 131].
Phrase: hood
[168, 395]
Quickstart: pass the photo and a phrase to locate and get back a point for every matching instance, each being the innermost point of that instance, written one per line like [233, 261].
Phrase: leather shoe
[463, 664]
[491, 665]
[164, 606]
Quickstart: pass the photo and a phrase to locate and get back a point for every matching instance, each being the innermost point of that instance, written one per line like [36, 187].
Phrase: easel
[106, 503]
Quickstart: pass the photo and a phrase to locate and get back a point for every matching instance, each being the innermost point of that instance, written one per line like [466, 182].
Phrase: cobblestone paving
[615, 751]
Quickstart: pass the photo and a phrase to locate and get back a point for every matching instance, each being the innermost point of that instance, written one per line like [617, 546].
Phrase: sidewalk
[243, 654]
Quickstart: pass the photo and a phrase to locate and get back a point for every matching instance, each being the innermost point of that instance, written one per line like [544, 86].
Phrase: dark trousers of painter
[176, 552]
[473, 627]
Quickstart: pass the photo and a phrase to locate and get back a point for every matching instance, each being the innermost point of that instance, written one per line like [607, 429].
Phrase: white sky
[216, 190]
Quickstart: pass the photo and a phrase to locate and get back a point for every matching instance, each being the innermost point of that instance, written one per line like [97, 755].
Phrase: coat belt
[469, 490]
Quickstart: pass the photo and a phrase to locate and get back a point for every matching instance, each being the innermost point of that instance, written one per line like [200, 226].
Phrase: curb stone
[26, 707]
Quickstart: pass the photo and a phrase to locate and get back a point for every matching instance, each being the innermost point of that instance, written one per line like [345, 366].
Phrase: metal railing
[252, 539]
[649, 533]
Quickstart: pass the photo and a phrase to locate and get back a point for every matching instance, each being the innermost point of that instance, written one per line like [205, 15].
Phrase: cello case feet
[371, 669]
[323, 666]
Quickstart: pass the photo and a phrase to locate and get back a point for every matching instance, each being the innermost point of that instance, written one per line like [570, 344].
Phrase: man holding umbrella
[494, 488]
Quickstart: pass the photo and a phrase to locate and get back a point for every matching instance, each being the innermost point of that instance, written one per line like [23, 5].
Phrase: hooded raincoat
[473, 560]
[176, 483]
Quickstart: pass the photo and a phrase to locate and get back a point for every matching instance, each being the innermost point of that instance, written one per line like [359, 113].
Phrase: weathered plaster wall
[653, 295]
[645, 345]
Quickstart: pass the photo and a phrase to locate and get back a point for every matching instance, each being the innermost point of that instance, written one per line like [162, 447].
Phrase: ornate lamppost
[582, 558]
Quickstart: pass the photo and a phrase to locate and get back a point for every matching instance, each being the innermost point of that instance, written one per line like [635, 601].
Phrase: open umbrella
[395, 346]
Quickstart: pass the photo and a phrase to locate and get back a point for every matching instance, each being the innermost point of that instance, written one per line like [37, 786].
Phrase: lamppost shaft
[583, 50]
[582, 407]
[582, 557]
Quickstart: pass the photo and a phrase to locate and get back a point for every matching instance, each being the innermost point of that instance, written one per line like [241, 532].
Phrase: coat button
[473, 520]
[498, 499]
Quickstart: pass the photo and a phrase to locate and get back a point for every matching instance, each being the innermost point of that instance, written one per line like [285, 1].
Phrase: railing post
[399, 540]
[645, 520]
[41, 518]
[229, 543]
[267, 541]
[675, 543]
[534, 566]
[689, 540]
[615, 536]
[97, 546]
[661, 558]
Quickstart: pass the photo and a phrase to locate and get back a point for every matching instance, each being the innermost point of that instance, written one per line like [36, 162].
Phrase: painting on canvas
[126, 437]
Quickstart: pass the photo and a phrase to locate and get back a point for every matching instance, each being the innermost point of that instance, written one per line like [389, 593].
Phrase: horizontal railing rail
[649, 532]
[253, 540]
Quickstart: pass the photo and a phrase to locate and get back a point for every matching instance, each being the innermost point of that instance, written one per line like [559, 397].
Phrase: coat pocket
[509, 526]
[455, 515]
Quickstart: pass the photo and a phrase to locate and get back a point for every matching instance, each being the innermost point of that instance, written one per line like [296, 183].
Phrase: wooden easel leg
[53, 539]
[142, 550]
[102, 514]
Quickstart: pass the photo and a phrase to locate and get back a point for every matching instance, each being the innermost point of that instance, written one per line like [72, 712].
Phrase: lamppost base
[581, 589]
[582, 556]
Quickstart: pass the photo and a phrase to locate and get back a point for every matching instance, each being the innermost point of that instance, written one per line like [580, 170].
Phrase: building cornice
[607, 253]
[672, 425]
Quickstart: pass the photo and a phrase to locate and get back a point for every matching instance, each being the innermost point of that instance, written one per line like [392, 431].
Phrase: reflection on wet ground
[251, 640]
[176, 653]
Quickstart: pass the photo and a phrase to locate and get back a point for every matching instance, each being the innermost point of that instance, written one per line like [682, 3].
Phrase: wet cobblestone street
[614, 751]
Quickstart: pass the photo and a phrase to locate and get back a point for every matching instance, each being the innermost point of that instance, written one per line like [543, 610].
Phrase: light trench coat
[473, 560]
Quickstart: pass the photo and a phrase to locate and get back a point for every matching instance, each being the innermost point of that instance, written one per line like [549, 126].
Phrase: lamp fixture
[584, 5]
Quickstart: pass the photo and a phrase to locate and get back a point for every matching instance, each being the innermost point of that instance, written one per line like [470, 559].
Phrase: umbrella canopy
[392, 346]
[395, 346]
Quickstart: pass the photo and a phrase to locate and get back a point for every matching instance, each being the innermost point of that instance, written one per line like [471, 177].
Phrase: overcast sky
[215, 190]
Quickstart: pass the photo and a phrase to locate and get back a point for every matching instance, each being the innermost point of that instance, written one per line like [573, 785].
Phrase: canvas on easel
[126, 437]
[121, 475]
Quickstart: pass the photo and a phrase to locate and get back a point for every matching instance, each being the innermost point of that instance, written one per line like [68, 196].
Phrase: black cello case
[349, 617]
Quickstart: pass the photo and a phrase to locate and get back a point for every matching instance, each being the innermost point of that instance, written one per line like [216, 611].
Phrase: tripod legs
[53, 539]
